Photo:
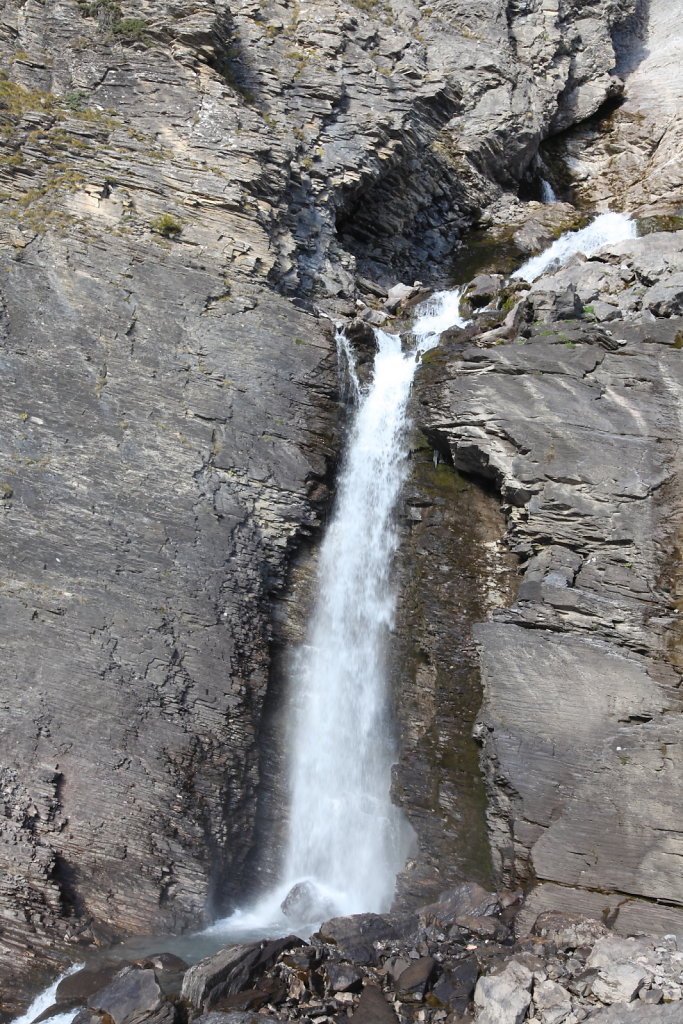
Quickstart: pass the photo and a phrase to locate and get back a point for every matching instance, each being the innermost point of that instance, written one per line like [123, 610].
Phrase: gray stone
[666, 297]
[133, 996]
[342, 977]
[597, 849]
[412, 983]
[619, 983]
[468, 898]
[304, 902]
[568, 931]
[503, 998]
[229, 971]
[637, 1013]
[552, 1002]
[373, 1008]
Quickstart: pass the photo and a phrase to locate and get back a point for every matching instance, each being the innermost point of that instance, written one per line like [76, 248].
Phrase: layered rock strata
[578, 423]
[170, 173]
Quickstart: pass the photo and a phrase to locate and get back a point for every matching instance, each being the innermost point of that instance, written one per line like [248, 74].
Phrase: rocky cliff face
[186, 186]
[573, 409]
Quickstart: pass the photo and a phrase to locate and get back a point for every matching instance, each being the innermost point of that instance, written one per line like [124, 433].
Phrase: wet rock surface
[570, 969]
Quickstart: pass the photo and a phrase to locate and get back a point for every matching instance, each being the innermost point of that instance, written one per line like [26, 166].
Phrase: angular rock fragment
[133, 996]
[412, 984]
[503, 998]
[373, 1008]
[230, 970]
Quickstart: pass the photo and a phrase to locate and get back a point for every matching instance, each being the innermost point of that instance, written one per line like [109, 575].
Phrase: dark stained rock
[373, 1008]
[454, 987]
[229, 971]
[84, 983]
[413, 982]
[270, 992]
[342, 977]
[133, 996]
[358, 930]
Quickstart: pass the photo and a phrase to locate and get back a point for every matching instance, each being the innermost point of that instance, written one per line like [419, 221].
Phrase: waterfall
[605, 229]
[345, 835]
[548, 194]
[347, 840]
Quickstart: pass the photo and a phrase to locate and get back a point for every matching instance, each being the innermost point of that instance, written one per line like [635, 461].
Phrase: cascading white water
[548, 194]
[605, 229]
[45, 1000]
[345, 835]
[347, 840]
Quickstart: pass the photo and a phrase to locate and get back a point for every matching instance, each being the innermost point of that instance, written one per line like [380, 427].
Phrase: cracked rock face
[180, 183]
[579, 426]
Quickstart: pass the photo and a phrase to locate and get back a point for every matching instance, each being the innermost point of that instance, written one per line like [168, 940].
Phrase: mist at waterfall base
[347, 841]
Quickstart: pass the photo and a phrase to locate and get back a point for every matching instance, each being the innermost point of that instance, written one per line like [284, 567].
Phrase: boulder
[374, 317]
[412, 984]
[230, 970]
[666, 297]
[271, 991]
[619, 983]
[504, 998]
[367, 928]
[482, 289]
[549, 304]
[86, 982]
[133, 996]
[342, 978]
[467, 899]
[568, 931]
[553, 1003]
[305, 902]
[483, 927]
[399, 295]
[373, 1008]
[454, 987]
[532, 237]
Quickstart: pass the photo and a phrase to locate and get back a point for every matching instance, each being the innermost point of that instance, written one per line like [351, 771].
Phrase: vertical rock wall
[169, 173]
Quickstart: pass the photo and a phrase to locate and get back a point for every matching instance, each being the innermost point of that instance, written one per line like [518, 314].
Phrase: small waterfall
[548, 195]
[606, 228]
[45, 1000]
